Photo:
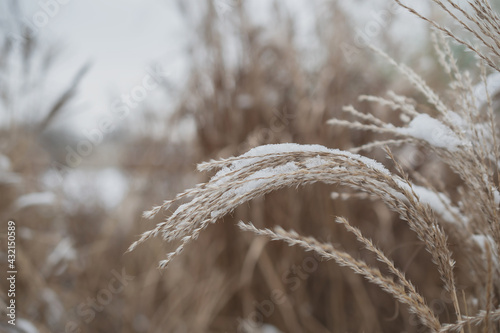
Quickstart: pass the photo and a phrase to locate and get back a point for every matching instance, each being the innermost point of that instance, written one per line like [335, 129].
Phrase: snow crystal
[433, 131]
[36, 199]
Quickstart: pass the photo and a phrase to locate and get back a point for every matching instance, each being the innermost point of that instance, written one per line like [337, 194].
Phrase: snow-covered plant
[462, 133]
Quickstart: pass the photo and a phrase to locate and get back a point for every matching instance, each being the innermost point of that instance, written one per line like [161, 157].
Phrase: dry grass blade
[64, 98]
[459, 40]
[410, 289]
[327, 251]
[476, 320]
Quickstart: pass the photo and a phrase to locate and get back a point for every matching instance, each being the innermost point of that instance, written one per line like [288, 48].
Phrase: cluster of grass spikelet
[461, 132]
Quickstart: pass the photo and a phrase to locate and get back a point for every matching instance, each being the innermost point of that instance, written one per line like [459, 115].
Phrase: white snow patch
[429, 129]
[474, 132]
[482, 240]
[267, 175]
[251, 326]
[272, 149]
[315, 162]
[263, 177]
[496, 196]
[440, 203]
[493, 83]
[266, 328]
[5, 163]
[112, 187]
[54, 308]
[64, 251]
[257, 154]
[6, 176]
[89, 188]
[256, 180]
[457, 120]
[36, 199]
[25, 326]
[470, 130]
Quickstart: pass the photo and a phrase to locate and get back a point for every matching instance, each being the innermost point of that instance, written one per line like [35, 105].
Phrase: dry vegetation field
[382, 216]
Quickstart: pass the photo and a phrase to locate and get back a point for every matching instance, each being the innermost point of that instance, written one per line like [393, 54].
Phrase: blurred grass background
[248, 85]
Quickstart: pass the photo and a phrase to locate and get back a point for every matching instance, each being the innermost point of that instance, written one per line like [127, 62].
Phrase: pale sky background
[123, 38]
